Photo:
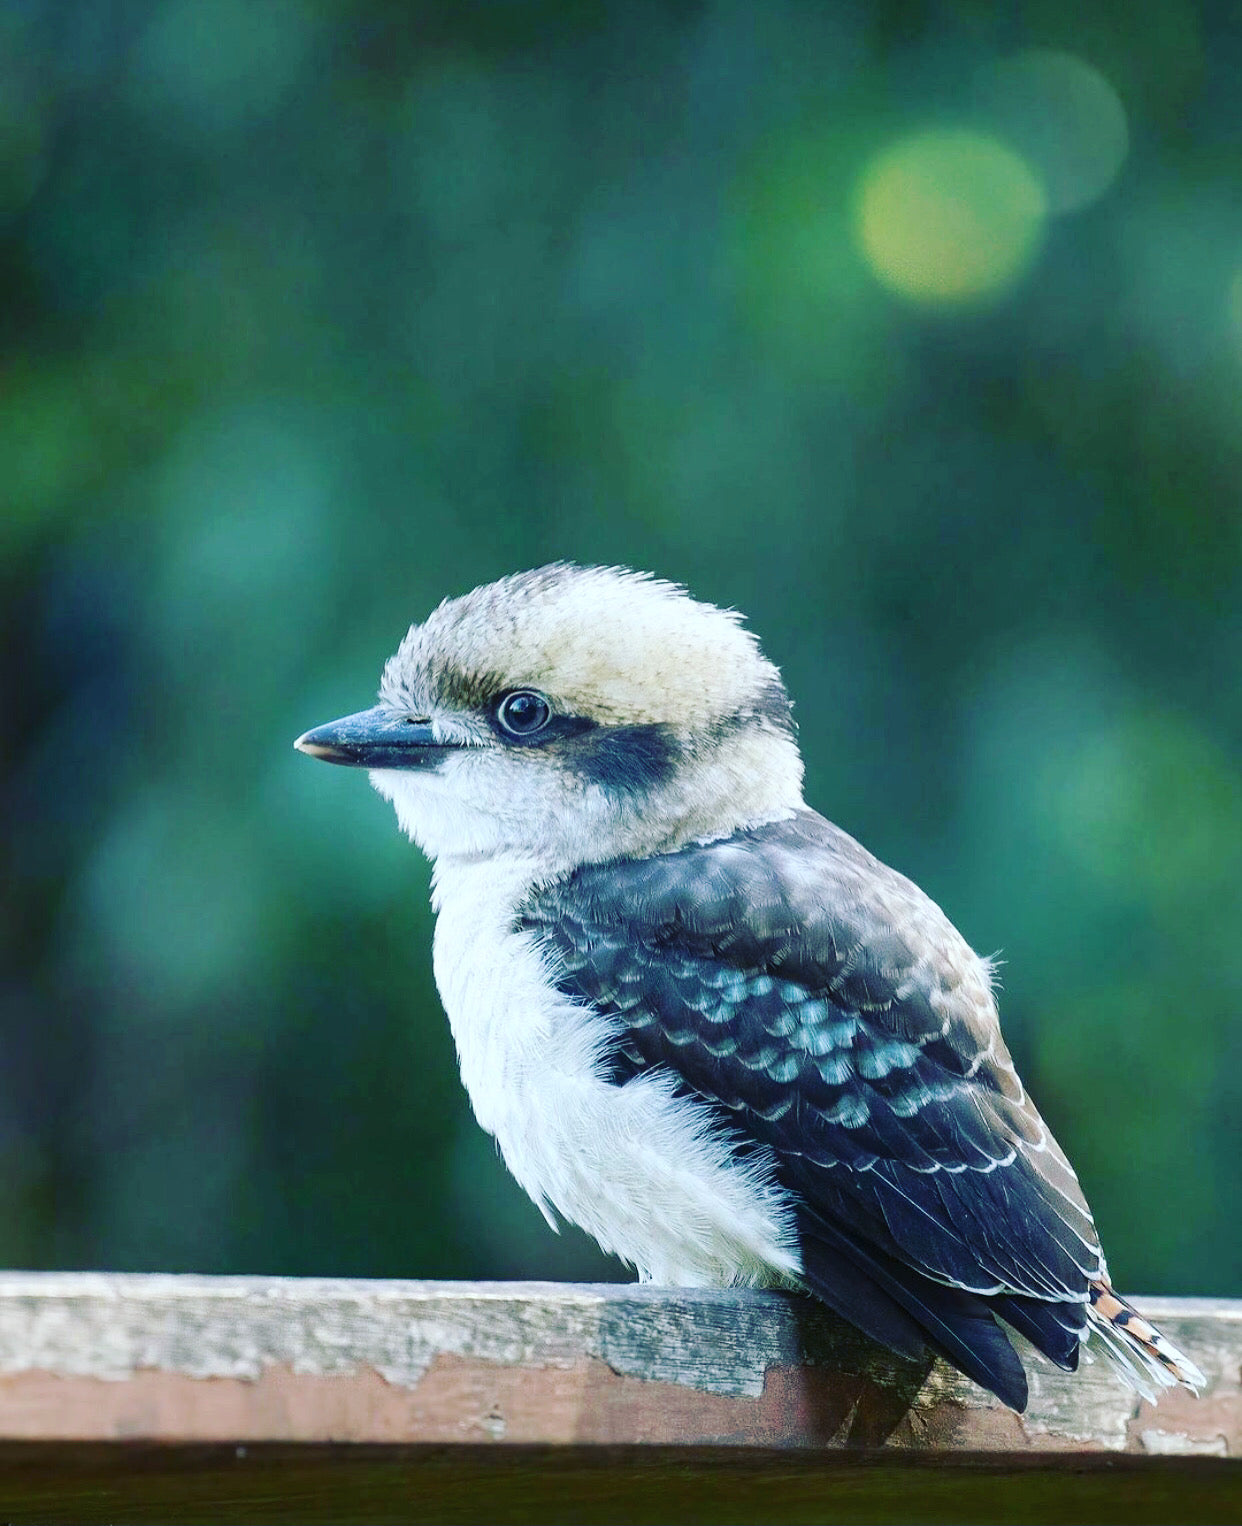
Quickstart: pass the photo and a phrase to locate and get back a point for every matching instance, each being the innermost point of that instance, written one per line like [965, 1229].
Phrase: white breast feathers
[640, 1168]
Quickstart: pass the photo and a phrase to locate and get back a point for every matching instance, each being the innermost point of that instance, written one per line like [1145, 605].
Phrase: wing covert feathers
[830, 1014]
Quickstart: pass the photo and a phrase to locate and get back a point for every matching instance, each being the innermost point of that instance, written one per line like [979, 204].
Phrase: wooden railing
[185, 1398]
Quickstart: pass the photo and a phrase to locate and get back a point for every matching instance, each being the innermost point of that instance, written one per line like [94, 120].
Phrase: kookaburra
[701, 1021]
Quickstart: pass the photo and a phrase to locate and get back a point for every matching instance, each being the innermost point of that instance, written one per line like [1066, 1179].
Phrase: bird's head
[571, 715]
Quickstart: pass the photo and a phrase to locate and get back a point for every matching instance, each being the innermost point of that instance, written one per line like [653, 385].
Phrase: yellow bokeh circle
[949, 216]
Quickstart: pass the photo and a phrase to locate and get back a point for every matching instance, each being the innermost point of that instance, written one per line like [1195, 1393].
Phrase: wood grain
[137, 1359]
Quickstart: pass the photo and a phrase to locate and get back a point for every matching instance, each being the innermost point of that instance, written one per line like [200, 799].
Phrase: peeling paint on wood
[89, 1357]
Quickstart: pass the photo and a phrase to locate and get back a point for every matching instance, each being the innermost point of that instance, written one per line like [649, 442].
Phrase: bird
[701, 1021]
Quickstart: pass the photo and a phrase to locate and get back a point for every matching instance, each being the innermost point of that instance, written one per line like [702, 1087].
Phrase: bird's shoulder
[797, 901]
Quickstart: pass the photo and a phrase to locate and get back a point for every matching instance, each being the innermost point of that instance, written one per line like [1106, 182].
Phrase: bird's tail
[1143, 1358]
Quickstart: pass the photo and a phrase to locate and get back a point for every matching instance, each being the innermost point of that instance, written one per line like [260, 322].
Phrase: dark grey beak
[376, 738]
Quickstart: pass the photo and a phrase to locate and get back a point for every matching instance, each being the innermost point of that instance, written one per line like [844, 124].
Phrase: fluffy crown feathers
[614, 646]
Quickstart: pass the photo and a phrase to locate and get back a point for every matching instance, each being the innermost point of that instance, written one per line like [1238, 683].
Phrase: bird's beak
[376, 738]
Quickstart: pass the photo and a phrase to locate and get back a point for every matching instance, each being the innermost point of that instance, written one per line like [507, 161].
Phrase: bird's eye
[523, 712]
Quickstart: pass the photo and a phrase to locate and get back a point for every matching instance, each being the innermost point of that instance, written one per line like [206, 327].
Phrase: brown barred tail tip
[1137, 1346]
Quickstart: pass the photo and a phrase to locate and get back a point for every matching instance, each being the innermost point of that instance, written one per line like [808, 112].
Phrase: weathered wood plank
[101, 1357]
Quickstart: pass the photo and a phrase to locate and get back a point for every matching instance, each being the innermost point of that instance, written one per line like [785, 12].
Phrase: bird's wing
[830, 1012]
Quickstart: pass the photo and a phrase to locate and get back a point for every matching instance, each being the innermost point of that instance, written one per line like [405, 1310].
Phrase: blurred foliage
[914, 330]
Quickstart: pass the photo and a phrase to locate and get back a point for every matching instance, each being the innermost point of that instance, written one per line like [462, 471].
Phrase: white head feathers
[618, 647]
[668, 723]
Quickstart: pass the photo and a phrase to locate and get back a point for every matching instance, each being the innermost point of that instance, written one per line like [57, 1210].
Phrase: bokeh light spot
[1063, 117]
[219, 66]
[949, 216]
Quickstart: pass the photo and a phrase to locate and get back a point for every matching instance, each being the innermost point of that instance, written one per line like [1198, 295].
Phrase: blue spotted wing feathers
[830, 1014]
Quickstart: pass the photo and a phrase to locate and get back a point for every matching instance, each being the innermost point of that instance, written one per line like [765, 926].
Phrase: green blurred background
[913, 330]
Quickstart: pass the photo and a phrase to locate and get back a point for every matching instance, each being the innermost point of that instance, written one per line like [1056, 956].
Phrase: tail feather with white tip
[1144, 1358]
